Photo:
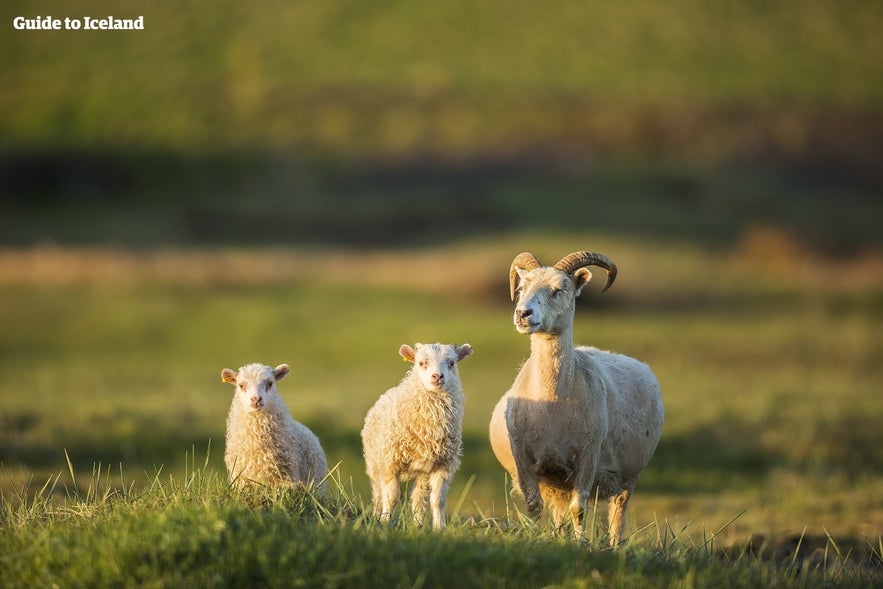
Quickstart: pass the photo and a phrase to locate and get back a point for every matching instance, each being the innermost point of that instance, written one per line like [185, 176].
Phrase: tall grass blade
[70, 467]
[722, 528]
[456, 513]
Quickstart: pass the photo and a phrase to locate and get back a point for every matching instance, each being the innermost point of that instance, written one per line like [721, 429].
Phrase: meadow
[317, 183]
[458, 82]
[111, 359]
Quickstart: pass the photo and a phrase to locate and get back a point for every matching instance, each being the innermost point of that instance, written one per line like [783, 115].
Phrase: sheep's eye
[242, 386]
[422, 363]
[450, 363]
[269, 384]
[557, 292]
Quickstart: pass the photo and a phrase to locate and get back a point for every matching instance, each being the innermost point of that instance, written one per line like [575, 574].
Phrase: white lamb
[265, 445]
[578, 422]
[414, 432]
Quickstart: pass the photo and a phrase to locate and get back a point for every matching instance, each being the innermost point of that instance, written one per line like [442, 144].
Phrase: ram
[578, 423]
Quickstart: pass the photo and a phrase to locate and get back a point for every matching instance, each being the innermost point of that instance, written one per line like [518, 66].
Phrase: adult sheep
[578, 422]
[414, 432]
[264, 444]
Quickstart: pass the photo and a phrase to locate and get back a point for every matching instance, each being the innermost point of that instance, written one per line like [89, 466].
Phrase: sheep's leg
[376, 494]
[389, 492]
[376, 498]
[419, 495]
[616, 515]
[579, 507]
[438, 483]
[528, 483]
[531, 491]
[556, 504]
[582, 498]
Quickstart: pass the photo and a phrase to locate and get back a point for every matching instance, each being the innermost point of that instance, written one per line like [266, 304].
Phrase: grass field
[194, 531]
[769, 367]
[460, 80]
[317, 183]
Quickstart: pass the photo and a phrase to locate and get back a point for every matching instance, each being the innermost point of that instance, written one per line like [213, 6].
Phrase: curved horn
[525, 261]
[577, 260]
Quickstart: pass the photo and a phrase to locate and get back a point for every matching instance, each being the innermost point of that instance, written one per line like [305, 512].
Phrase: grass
[767, 471]
[215, 201]
[398, 78]
[319, 183]
[769, 370]
[196, 531]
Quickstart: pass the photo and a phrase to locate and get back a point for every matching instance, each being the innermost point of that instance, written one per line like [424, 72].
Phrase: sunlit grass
[195, 529]
[770, 385]
[401, 77]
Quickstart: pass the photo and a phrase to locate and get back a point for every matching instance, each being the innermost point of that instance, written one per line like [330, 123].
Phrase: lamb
[265, 445]
[414, 432]
[578, 423]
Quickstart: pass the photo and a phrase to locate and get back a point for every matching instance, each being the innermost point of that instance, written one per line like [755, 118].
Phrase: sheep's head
[545, 296]
[255, 384]
[436, 364]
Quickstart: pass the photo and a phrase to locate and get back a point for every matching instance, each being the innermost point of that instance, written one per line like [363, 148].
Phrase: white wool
[264, 444]
[414, 432]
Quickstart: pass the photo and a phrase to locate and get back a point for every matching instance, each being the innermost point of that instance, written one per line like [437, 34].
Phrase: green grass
[195, 531]
[111, 362]
[455, 78]
[143, 202]
[769, 371]
[320, 182]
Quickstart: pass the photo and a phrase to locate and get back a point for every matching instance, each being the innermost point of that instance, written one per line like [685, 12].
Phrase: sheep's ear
[228, 375]
[407, 353]
[280, 371]
[464, 352]
[581, 278]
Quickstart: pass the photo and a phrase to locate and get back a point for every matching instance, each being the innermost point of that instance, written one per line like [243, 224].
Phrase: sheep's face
[545, 299]
[436, 364]
[255, 385]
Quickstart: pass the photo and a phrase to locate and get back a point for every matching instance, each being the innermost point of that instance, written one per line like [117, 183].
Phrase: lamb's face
[255, 385]
[436, 364]
[545, 299]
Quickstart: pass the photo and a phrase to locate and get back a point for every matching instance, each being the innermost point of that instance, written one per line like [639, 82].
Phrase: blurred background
[317, 183]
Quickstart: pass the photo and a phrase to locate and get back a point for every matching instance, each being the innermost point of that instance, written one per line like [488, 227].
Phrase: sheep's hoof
[534, 507]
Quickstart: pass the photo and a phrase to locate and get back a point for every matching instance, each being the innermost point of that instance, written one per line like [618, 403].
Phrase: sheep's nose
[438, 378]
[256, 401]
[523, 313]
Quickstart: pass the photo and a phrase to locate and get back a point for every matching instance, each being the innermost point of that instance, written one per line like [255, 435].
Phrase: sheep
[579, 423]
[264, 444]
[414, 432]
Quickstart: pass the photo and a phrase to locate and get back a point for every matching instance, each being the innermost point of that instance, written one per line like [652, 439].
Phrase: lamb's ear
[280, 371]
[407, 353]
[581, 278]
[464, 352]
[228, 375]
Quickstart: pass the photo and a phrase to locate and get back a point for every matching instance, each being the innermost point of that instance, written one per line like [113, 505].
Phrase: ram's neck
[551, 359]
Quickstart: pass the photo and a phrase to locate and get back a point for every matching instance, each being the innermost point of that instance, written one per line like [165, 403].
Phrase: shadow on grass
[150, 199]
[733, 455]
[707, 459]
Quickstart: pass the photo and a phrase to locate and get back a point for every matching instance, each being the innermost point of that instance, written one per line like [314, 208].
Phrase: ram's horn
[577, 260]
[524, 261]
